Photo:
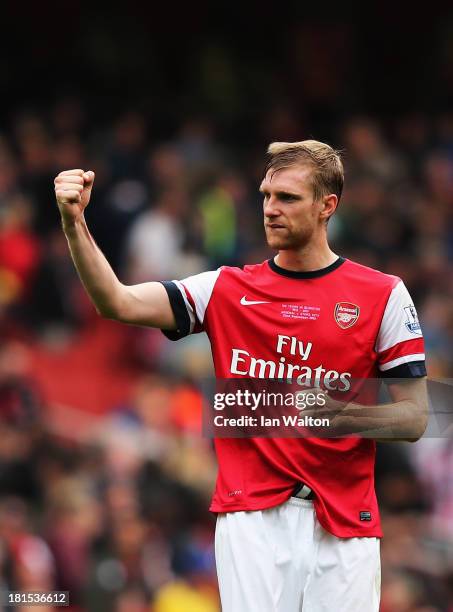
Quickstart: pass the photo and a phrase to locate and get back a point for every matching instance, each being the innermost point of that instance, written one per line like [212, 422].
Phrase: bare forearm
[144, 304]
[95, 272]
[400, 421]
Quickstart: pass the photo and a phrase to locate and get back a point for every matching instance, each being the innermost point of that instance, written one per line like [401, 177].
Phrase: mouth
[275, 226]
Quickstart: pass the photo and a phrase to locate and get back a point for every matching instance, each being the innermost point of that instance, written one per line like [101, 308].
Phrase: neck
[306, 259]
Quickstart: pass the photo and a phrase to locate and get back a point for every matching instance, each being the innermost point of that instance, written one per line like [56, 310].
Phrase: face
[291, 216]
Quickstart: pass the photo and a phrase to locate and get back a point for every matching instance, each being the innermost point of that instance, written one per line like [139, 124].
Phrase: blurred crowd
[112, 505]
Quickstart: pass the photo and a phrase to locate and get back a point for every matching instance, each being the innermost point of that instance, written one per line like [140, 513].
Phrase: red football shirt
[348, 322]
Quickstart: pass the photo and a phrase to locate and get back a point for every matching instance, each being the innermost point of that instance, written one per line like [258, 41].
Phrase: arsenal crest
[346, 314]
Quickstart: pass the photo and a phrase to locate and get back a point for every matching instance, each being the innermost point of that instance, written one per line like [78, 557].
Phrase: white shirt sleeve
[189, 299]
[400, 339]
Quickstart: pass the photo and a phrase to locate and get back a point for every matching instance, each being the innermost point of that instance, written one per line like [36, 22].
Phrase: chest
[305, 324]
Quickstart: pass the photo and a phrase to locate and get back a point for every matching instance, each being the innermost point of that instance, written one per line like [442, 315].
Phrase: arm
[144, 304]
[405, 419]
[401, 361]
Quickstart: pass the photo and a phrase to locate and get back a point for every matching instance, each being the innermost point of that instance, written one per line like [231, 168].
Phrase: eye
[287, 198]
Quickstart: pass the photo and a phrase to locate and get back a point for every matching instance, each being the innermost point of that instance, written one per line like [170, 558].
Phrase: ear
[329, 206]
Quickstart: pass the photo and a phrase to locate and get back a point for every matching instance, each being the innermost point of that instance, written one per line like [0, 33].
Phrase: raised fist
[73, 191]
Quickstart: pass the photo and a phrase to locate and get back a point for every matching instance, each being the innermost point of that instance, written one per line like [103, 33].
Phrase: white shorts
[282, 560]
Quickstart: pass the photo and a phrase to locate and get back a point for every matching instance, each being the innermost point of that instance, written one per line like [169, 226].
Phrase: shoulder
[370, 276]
[212, 278]
[245, 271]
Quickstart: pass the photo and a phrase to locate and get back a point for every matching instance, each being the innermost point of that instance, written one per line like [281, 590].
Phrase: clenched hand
[73, 191]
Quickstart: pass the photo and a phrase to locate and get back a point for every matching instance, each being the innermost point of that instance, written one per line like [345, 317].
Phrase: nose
[271, 208]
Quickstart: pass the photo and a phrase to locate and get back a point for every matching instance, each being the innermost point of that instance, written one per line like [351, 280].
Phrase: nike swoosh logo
[246, 302]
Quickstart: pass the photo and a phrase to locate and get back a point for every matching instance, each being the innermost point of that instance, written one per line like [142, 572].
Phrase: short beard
[290, 242]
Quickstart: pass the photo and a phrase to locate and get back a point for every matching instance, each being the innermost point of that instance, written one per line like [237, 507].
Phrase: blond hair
[328, 172]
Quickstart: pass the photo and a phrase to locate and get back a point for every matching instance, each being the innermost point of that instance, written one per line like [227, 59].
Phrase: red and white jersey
[330, 326]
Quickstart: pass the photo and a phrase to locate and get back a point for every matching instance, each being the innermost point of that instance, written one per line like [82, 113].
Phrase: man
[298, 525]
